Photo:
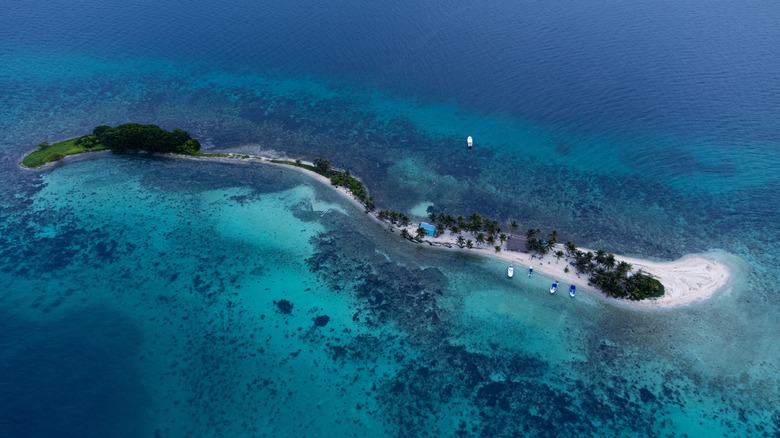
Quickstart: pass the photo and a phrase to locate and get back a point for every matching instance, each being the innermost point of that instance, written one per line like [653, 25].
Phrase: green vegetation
[48, 153]
[131, 137]
[337, 177]
[534, 243]
[613, 278]
[121, 139]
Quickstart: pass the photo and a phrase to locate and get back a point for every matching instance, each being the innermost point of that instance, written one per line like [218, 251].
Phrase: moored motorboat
[470, 141]
[530, 271]
[572, 290]
[554, 287]
[510, 271]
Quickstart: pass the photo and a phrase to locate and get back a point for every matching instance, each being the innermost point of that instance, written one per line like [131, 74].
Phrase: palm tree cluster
[354, 185]
[482, 229]
[534, 241]
[337, 178]
[615, 278]
[394, 217]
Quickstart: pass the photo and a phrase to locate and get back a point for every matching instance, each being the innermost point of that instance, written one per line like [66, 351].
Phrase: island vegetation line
[615, 279]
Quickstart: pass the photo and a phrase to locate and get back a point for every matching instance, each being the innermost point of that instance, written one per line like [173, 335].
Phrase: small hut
[430, 229]
[516, 243]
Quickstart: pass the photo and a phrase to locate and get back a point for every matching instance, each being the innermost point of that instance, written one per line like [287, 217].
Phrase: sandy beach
[690, 279]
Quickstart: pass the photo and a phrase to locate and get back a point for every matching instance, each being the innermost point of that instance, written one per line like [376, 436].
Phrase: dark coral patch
[321, 321]
[284, 306]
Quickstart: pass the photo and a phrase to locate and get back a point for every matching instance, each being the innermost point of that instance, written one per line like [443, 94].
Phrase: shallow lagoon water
[138, 295]
[416, 341]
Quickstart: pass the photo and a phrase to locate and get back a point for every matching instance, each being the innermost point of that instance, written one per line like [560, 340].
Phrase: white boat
[510, 271]
[470, 141]
[530, 271]
[572, 290]
[554, 287]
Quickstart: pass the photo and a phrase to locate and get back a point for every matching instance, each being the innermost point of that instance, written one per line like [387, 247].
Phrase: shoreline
[689, 279]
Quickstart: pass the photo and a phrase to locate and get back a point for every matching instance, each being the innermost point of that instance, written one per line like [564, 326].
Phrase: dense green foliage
[616, 279]
[322, 166]
[338, 178]
[123, 138]
[48, 153]
[394, 217]
[149, 138]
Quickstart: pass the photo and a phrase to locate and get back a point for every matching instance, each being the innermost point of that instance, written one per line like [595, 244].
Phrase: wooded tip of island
[124, 138]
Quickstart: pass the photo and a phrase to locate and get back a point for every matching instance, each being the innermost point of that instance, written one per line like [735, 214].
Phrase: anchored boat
[530, 271]
[510, 271]
[572, 290]
[470, 141]
[554, 287]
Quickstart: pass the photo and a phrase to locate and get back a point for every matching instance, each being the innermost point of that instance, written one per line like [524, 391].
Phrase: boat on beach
[572, 290]
[554, 287]
[530, 271]
[510, 271]
[470, 141]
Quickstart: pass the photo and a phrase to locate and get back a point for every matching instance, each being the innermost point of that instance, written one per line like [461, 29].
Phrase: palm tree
[404, 233]
[480, 238]
[432, 216]
[571, 248]
[552, 238]
[622, 269]
[558, 255]
[609, 261]
[491, 226]
[420, 233]
[514, 226]
[476, 222]
[491, 239]
[498, 248]
[469, 244]
[601, 256]
[502, 237]
[461, 241]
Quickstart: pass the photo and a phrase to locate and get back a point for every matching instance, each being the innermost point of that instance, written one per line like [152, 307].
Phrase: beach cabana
[430, 229]
[516, 243]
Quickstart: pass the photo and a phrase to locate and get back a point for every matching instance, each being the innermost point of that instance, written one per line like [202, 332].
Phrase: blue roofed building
[430, 229]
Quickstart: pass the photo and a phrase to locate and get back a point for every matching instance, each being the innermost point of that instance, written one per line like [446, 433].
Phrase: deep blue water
[139, 296]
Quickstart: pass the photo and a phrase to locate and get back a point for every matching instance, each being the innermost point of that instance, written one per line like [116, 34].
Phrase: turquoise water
[144, 296]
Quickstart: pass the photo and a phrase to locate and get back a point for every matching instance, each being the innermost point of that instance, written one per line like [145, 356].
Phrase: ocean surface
[160, 297]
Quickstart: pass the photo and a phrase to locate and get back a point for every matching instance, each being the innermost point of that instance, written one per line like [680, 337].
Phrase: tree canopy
[149, 138]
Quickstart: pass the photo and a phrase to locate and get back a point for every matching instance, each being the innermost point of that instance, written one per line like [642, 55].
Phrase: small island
[128, 137]
[613, 275]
